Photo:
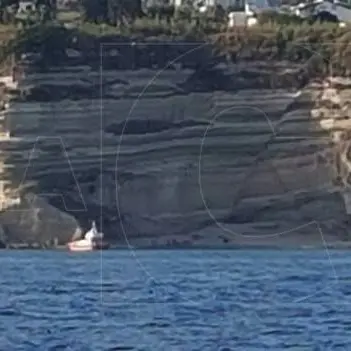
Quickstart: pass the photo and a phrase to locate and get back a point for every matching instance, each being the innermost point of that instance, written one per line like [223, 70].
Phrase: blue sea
[175, 300]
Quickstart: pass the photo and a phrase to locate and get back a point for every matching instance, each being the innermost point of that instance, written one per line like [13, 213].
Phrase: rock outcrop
[332, 110]
[35, 222]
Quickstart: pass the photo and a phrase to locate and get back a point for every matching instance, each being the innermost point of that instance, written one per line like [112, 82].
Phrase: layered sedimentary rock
[219, 155]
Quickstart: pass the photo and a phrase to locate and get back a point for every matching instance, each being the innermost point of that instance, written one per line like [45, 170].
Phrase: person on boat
[92, 234]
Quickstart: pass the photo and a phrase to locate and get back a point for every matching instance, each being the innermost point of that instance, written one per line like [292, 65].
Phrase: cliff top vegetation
[325, 46]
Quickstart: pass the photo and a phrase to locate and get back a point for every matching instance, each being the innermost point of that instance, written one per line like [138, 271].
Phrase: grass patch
[68, 16]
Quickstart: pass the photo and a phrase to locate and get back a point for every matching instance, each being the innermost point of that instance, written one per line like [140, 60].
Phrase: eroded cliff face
[220, 156]
[332, 110]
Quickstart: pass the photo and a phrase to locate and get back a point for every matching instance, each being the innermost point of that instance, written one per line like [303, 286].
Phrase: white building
[245, 11]
[259, 4]
[246, 17]
[337, 8]
[25, 6]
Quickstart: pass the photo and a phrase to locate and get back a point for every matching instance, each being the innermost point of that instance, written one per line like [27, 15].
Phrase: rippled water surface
[175, 300]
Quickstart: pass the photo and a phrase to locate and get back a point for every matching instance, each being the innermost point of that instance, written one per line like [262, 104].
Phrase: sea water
[175, 300]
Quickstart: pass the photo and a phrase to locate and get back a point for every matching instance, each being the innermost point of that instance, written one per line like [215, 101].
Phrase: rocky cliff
[207, 153]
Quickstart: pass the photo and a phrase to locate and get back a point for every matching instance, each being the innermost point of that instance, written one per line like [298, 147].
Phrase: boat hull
[83, 245]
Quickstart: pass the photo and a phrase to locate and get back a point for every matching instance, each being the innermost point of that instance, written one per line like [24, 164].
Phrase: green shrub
[323, 46]
[278, 18]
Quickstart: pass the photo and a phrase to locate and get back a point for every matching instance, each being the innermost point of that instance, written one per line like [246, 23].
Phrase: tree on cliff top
[113, 12]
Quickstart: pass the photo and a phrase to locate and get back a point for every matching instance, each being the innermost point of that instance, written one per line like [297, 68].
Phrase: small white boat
[93, 240]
